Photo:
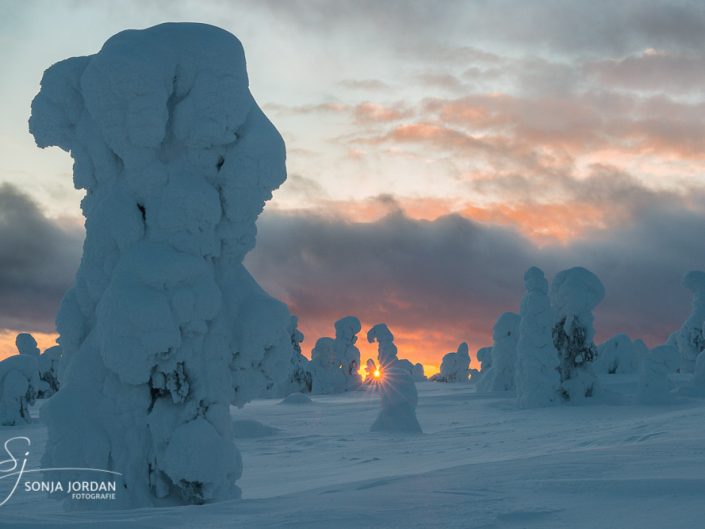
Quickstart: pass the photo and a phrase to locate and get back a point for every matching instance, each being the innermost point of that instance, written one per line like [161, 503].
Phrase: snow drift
[164, 328]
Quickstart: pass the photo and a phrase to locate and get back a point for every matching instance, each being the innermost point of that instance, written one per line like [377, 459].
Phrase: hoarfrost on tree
[655, 386]
[164, 327]
[399, 396]
[690, 339]
[574, 294]
[454, 366]
[505, 333]
[536, 377]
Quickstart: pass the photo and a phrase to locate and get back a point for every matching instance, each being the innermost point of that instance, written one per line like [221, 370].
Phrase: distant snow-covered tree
[399, 396]
[49, 370]
[454, 366]
[505, 333]
[654, 384]
[327, 372]
[26, 344]
[20, 386]
[417, 373]
[348, 354]
[690, 339]
[619, 355]
[537, 377]
[574, 295]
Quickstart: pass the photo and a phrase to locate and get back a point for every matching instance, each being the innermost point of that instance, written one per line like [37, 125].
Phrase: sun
[377, 373]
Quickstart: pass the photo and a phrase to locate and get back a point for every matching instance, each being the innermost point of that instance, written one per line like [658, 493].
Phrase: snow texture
[655, 387]
[536, 377]
[505, 333]
[454, 366]
[164, 328]
[399, 396]
[690, 339]
[574, 294]
[296, 399]
[619, 355]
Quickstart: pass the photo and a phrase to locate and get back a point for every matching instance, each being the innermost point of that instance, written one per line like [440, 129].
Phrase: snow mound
[164, 327]
[297, 399]
[250, 429]
[620, 355]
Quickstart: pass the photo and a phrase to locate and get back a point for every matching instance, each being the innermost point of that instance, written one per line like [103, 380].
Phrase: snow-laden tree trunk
[537, 377]
[164, 327]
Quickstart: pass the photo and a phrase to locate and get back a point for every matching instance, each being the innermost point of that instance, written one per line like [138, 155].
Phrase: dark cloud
[457, 276]
[38, 261]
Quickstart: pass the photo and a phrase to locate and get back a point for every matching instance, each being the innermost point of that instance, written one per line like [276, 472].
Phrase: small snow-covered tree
[574, 295]
[505, 333]
[399, 397]
[164, 327]
[654, 384]
[536, 376]
[20, 386]
[371, 372]
[484, 356]
[327, 373]
[300, 379]
[417, 372]
[26, 344]
[348, 354]
[454, 366]
[619, 355]
[690, 339]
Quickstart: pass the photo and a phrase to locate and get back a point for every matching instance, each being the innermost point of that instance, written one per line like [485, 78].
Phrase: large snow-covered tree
[164, 327]
[574, 295]
[620, 355]
[690, 339]
[536, 376]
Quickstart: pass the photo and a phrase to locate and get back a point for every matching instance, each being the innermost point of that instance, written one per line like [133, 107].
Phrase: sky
[435, 151]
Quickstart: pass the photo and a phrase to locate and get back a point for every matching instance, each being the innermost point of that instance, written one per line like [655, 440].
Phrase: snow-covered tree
[484, 356]
[699, 375]
[26, 344]
[454, 366]
[619, 355]
[417, 372]
[326, 369]
[300, 379]
[20, 386]
[399, 397]
[348, 354]
[536, 376]
[49, 370]
[690, 339]
[654, 384]
[164, 328]
[505, 333]
[574, 294]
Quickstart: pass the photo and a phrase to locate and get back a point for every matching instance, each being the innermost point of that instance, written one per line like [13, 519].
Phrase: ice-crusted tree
[574, 295]
[399, 396]
[690, 339]
[536, 376]
[26, 344]
[20, 386]
[454, 366]
[505, 333]
[164, 327]
[619, 355]
[327, 373]
[348, 354]
[654, 384]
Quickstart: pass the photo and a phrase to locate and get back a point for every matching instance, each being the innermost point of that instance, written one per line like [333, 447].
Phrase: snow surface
[481, 463]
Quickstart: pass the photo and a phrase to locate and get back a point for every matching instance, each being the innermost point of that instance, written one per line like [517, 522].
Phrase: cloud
[454, 276]
[37, 264]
